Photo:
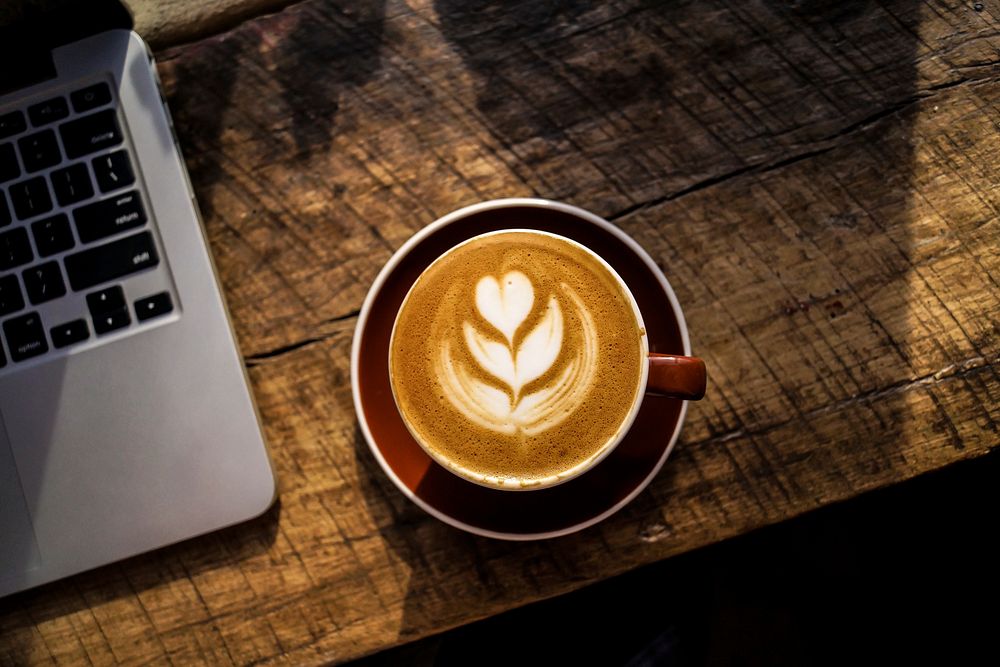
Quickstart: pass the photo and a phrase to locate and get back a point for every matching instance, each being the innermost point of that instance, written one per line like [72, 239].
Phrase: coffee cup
[518, 360]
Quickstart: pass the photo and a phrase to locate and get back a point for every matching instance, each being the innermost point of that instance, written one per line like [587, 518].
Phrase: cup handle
[676, 376]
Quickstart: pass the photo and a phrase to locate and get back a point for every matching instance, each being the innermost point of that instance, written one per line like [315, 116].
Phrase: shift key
[104, 218]
[111, 261]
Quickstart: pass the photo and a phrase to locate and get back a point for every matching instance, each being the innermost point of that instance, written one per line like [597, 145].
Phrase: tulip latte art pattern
[506, 304]
[516, 356]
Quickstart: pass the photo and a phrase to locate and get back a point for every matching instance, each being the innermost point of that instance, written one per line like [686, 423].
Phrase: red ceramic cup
[669, 375]
[564, 508]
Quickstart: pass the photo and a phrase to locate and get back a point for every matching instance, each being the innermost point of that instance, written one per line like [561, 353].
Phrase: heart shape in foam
[505, 303]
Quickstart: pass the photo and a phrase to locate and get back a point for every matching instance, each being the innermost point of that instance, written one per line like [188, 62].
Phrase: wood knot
[655, 532]
[843, 220]
[795, 306]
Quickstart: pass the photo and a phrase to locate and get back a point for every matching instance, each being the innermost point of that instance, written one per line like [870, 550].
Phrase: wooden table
[818, 180]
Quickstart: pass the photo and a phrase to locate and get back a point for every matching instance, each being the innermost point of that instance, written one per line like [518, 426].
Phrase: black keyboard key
[113, 171]
[69, 333]
[112, 320]
[71, 184]
[91, 133]
[153, 306]
[11, 299]
[15, 249]
[30, 198]
[106, 300]
[5, 218]
[104, 218]
[52, 235]
[91, 97]
[9, 169]
[43, 282]
[39, 150]
[3, 358]
[111, 260]
[25, 336]
[48, 111]
[12, 123]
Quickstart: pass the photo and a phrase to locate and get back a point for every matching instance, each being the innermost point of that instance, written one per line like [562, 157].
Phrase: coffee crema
[516, 356]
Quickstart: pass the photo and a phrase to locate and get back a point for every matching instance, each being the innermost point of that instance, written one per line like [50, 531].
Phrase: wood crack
[721, 178]
[963, 369]
[257, 358]
[764, 167]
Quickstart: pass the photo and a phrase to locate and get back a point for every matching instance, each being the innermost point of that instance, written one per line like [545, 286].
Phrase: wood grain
[818, 181]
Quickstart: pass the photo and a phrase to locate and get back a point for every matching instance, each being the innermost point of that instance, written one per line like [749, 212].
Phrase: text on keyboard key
[52, 235]
[25, 336]
[106, 300]
[113, 171]
[39, 150]
[69, 333]
[15, 249]
[30, 198]
[12, 123]
[91, 133]
[48, 111]
[43, 282]
[91, 97]
[153, 306]
[112, 321]
[112, 260]
[71, 184]
[104, 218]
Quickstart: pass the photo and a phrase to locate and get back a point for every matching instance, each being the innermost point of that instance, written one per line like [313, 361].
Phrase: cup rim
[592, 460]
[375, 291]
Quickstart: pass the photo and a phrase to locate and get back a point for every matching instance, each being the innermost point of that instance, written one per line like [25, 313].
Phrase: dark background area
[906, 575]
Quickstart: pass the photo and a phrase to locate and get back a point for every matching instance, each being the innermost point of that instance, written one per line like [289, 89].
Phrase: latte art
[505, 406]
[517, 356]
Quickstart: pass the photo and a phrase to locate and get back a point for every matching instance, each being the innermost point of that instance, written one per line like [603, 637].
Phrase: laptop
[126, 419]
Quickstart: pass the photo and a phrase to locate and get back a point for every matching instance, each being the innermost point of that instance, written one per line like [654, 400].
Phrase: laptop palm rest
[17, 539]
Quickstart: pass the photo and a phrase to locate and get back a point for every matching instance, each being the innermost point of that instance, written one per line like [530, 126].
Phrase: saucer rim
[376, 288]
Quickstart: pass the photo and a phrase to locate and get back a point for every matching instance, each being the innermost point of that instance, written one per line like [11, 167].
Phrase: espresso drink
[517, 357]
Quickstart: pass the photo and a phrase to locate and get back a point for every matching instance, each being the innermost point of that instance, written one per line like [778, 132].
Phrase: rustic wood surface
[817, 179]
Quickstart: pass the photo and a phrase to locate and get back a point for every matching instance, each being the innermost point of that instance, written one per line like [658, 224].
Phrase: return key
[96, 221]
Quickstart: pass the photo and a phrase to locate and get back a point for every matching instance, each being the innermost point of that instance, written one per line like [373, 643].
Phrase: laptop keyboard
[75, 237]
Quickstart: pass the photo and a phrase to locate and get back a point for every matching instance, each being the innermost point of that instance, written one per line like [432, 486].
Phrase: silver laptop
[126, 421]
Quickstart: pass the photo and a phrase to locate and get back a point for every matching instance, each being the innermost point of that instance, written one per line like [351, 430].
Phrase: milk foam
[506, 304]
[516, 356]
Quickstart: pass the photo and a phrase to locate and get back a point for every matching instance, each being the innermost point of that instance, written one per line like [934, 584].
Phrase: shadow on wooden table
[852, 583]
[173, 572]
[764, 154]
[781, 162]
[313, 58]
